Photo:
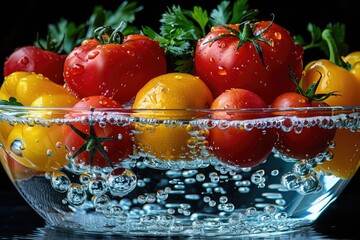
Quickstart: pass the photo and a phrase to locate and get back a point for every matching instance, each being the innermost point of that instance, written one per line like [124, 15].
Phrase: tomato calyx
[106, 34]
[92, 144]
[309, 93]
[246, 32]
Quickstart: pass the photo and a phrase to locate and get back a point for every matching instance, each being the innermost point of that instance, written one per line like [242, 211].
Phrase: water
[147, 196]
[168, 203]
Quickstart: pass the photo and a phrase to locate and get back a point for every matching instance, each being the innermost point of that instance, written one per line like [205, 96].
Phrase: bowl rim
[355, 108]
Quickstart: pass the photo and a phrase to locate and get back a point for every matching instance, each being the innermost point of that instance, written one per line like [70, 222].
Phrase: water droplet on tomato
[277, 35]
[93, 54]
[130, 53]
[178, 76]
[103, 102]
[222, 71]
[24, 60]
[302, 101]
[222, 45]
[76, 69]
[58, 145]
[210, 43]
[49, 152]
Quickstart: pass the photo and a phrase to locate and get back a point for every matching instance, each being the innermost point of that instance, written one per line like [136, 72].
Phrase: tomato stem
[106, 34]
[246, 32]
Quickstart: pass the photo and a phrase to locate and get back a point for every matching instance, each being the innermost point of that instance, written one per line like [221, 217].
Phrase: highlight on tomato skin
[237, 146]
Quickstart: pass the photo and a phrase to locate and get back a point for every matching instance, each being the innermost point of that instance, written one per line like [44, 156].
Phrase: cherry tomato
[97, 144]
[226, 58]
[307, 142]
[37, 60]
[237, 146]
[114, 69]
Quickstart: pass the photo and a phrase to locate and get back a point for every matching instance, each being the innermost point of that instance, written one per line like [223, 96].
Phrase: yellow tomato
[171, 91]
[27, 86]
[37, 147]
[41, 147]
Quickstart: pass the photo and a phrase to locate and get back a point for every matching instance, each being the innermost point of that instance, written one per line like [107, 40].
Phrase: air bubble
[161, 194]
[121, 181]
[76, 194]
[17, 147]
[60, 181]
[98, 186]
[101, 202]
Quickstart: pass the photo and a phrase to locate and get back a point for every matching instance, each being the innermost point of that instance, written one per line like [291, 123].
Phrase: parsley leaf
[180, 30]
[73, 34]
[316, 41]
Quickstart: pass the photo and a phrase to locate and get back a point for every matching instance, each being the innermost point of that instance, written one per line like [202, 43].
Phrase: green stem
[246, 32]
[335, 57]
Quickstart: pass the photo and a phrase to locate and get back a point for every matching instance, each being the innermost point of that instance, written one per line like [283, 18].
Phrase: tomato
[171, 91]
[310, 140]
[38, 60]
[34, 146]
[116, 69]
[237, 146]
[38, 147]
[227, 59]
[93, 143]
[27, 86]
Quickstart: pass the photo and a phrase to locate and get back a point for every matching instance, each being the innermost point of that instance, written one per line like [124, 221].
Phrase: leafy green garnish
[316, 40]
[181, 28]
[225, 13]
[73, 35]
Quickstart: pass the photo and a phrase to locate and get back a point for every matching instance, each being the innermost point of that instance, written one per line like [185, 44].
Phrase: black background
[22, 20]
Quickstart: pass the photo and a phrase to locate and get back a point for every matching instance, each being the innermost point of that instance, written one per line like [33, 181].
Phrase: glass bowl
[157, 172]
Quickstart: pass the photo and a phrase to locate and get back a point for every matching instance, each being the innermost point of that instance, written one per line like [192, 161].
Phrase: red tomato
[310, 140]
[94, 144]
[114, 70]
[238, 146]
[223, 64]
[35, 59]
